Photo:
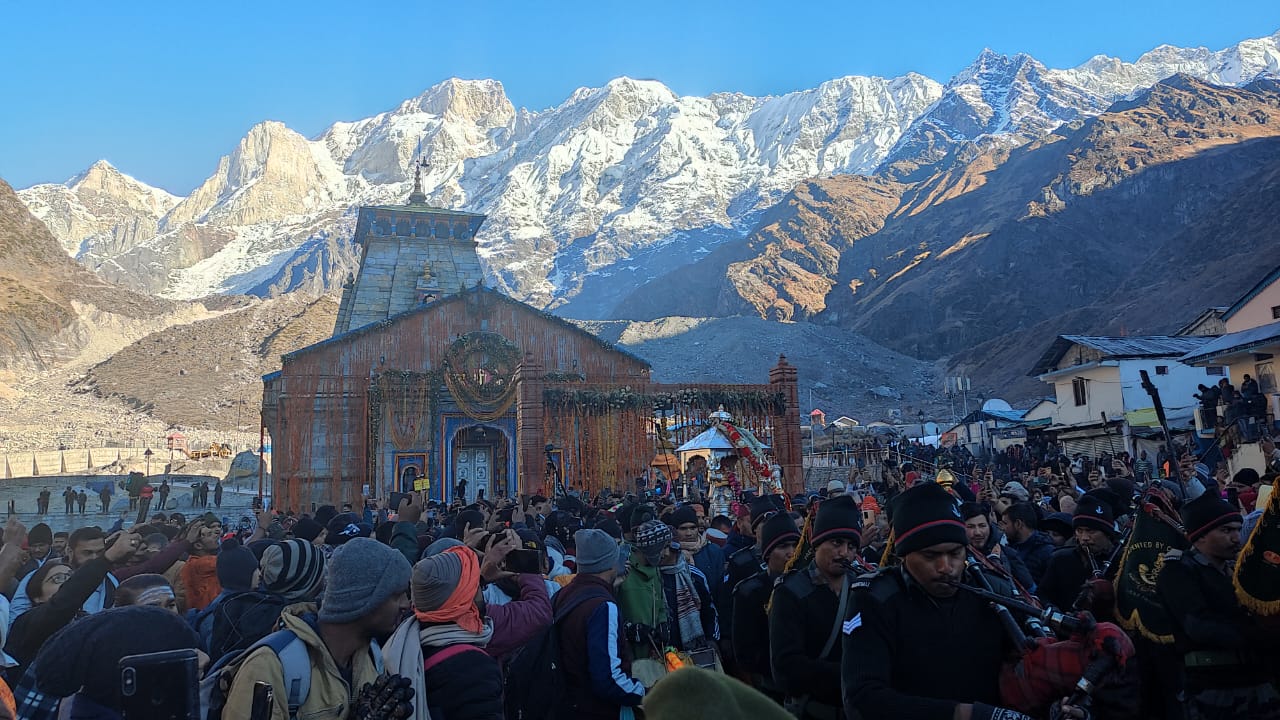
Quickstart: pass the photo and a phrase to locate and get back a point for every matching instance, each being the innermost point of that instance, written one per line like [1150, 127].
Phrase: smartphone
[160, 686]
[393, 503]
[524, 561]
[263, 701]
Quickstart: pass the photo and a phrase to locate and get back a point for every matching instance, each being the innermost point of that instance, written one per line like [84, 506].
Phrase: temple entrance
[480, 459]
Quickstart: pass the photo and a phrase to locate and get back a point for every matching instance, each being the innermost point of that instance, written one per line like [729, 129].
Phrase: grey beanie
[362, 574]
[440, 546]
[597, 552]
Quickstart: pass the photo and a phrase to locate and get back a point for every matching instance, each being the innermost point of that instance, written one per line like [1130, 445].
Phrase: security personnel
[1072, 566]
[749, 561]
[807, 610]
[1226, 653]
[916, 647]
[750, 622]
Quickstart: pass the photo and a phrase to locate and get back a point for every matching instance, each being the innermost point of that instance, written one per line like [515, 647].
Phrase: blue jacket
[1035, 552]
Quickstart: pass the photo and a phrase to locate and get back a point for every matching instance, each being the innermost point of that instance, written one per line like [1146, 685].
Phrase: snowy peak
[100, 208]
[273, 173]
[1115, 79]
[589, 190]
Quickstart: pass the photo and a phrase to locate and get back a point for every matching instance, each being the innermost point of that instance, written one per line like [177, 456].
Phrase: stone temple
[434, 381]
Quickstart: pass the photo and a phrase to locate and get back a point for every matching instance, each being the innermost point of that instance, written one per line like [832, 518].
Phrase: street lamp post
[148, 455]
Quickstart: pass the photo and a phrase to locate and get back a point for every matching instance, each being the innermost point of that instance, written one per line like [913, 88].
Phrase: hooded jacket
[330, 695]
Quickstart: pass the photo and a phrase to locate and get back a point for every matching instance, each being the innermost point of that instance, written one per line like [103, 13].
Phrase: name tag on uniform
[853, 623]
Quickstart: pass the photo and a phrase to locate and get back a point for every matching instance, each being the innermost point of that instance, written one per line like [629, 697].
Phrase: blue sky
[162, 90]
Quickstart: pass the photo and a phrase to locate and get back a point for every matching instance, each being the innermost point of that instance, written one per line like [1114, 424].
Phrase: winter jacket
[597, 667]
[329, 697]
[516, 622]
[467, 686]
[711, 561]
[35, 626]
[1035, 552]
[200, 581]
[404, 538]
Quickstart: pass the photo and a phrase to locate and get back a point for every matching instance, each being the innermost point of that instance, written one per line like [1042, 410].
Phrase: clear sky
[163, 89]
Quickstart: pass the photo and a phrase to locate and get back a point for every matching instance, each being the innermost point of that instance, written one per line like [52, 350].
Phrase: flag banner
[1257, 576]
[1156, 531]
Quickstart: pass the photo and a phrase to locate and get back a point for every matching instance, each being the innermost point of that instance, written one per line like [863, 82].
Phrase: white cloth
[5, 660]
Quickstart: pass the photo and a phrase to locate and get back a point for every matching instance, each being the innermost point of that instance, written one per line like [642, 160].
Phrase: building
[1098, 390]
[433, 381]
[1250, 347]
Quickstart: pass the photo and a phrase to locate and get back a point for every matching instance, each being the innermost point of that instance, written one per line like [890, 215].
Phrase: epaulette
[797, 582]
[881, 585]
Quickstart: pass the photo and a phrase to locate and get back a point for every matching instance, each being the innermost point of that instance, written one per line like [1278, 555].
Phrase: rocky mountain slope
[1101, 214]
[589, 199]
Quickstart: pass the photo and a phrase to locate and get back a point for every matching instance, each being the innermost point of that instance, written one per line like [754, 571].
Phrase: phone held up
[160, 686]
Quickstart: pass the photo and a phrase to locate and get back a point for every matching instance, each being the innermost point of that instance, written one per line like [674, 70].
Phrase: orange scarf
[200, 580]
[461, 607]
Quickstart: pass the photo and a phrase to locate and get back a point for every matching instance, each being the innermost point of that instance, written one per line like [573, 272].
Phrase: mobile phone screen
[160, 686]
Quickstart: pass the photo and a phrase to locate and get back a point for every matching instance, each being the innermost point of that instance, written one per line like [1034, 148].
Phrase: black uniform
[1228, 657]
[801, 621]
[743, 564]
[910, 656]
[1066, 574]
[750, 631]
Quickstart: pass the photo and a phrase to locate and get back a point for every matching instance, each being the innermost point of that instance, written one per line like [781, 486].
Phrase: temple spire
[417, 197]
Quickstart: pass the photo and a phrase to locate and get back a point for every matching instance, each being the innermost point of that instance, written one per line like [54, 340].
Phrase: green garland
[738, 402]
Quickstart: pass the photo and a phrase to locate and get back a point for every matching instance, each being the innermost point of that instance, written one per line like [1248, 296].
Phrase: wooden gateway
[433, 381]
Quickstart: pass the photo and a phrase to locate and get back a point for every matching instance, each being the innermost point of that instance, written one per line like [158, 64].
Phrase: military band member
[778, 536]
[807, 611]
[1228, 657]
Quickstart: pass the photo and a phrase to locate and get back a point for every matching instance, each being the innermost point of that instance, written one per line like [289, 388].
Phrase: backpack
[533, 685]
[295, 664]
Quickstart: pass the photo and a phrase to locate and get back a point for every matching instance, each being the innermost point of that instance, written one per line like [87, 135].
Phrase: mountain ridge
[582, 195]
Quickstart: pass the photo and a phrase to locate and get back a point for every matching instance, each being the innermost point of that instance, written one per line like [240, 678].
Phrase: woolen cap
[84, 656]
[363, 573]
[838, 517]
[597, 552]
[764, 505]
[681, 515]
[1093, 513]
[651, 539]
[1206, 513]
[924, 516]
[307, 529]
[40, 534]
[777, 530]
[292, 568]
[235, 566]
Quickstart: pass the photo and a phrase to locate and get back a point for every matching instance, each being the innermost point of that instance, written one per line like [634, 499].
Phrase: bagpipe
[1257, 573]
[1059, 655]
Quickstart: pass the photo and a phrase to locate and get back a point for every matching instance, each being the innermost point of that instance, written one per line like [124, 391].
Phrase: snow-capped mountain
[612, 187]
[1010, 100]
[100, 210]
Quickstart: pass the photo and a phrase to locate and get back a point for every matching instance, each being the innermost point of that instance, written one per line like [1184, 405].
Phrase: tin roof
[1233, 343]
[1118, 348]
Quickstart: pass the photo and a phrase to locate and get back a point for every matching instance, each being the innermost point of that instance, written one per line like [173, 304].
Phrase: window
[1275, 312]
[1214, 370]
[1162, 369]
[1080, 392]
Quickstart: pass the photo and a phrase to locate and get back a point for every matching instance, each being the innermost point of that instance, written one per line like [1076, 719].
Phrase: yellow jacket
[329, 697]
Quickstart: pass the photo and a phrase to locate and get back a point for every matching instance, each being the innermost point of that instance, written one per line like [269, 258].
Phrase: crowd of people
[908, 597]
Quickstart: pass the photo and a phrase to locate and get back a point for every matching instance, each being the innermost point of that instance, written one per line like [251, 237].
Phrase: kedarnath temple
[434, 381]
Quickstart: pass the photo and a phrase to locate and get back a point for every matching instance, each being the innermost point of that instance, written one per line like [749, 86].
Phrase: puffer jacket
[517, 622]
[330, 695]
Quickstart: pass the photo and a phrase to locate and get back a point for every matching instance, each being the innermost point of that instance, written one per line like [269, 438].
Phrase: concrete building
[1097, 386]
[1250, 347]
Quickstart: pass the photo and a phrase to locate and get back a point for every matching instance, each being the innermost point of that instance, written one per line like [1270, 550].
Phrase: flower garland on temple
[480, 370]
[748, 447]
[593, 401]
